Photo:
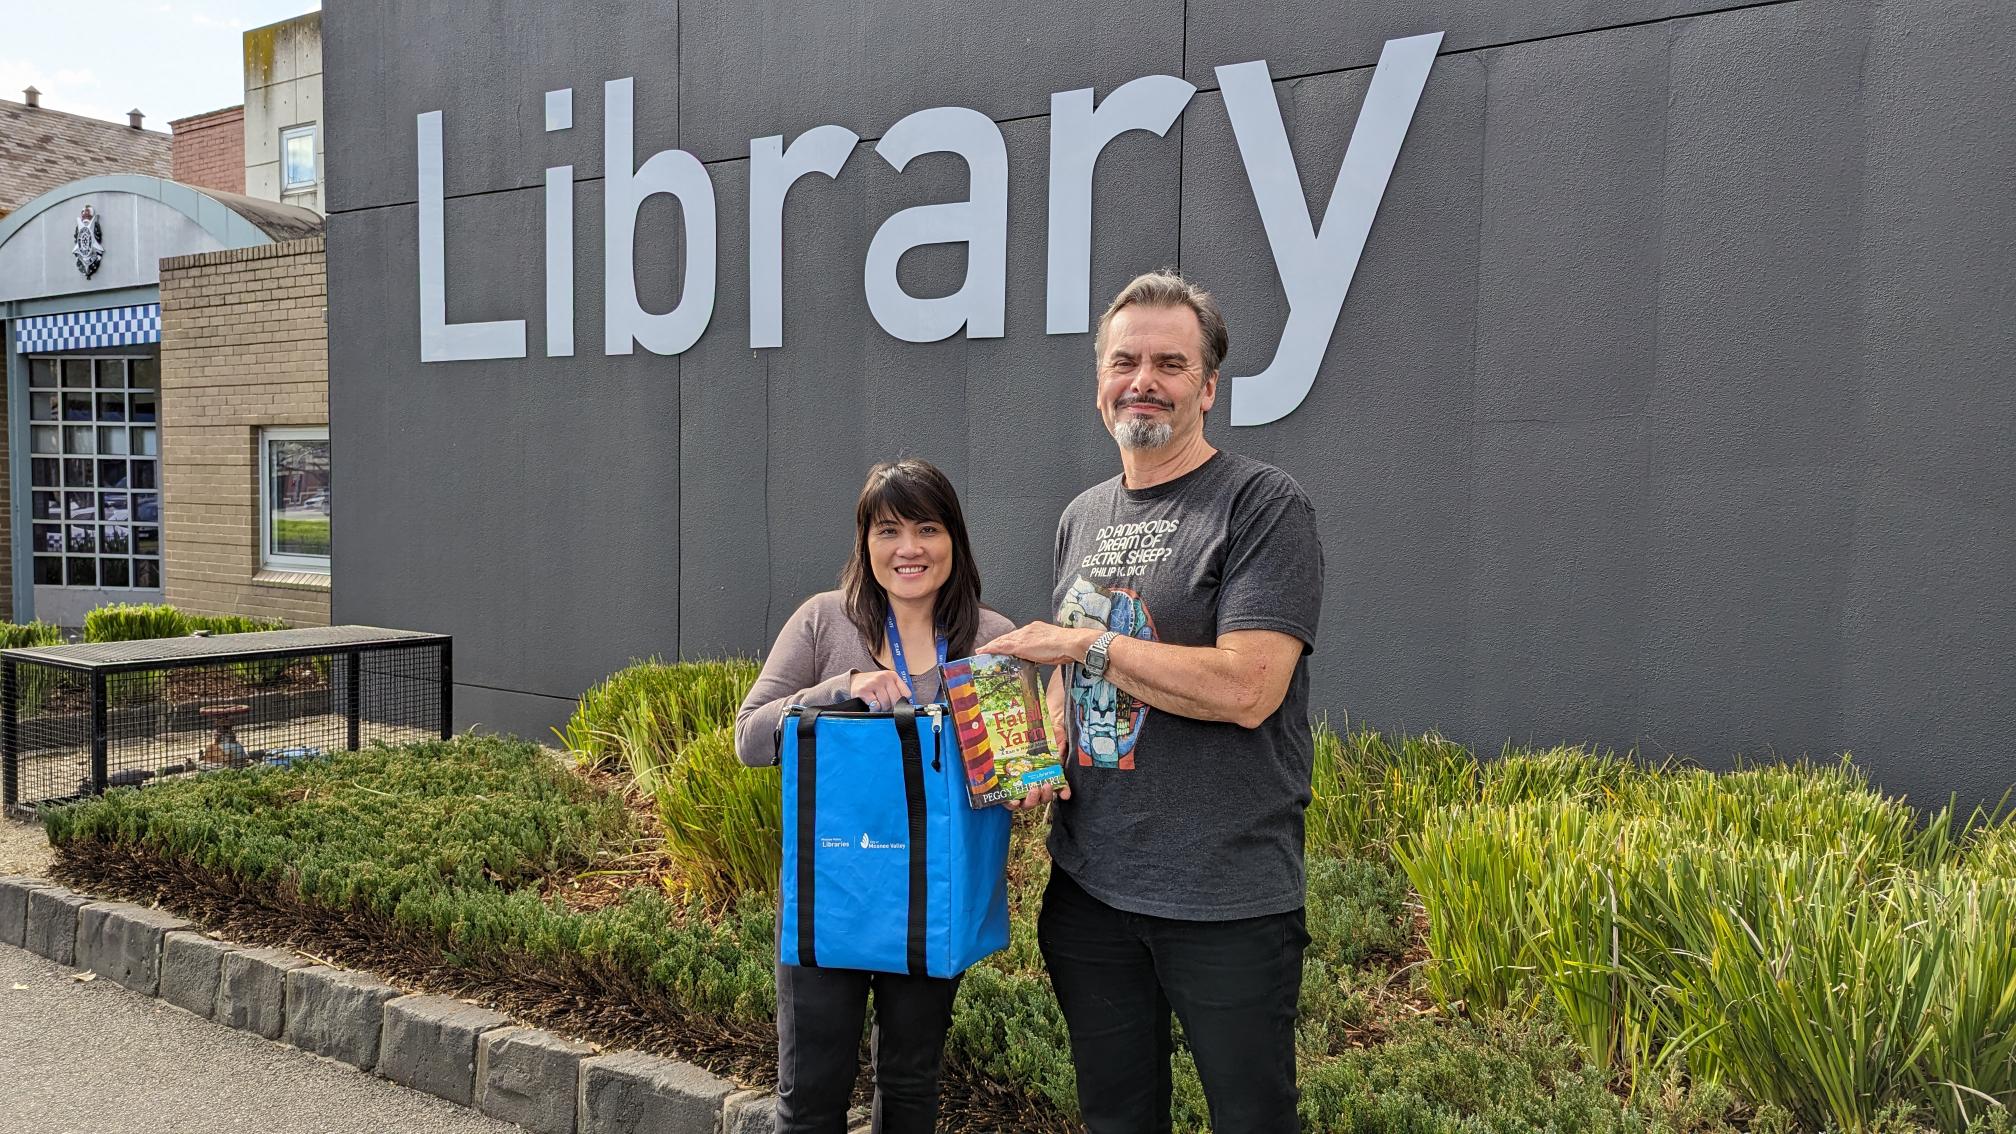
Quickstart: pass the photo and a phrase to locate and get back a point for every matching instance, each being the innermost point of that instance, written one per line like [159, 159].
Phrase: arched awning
[139, 222]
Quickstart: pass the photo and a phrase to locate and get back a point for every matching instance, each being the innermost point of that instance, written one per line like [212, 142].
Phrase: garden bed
[428, 864]
[624, 900]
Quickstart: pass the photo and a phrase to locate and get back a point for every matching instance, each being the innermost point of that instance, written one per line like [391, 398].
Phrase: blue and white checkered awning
[79, 330]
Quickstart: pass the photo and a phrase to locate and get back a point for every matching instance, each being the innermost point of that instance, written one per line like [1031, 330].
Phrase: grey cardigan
[814, 661]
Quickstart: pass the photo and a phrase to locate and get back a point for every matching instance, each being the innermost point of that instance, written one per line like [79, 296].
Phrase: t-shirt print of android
[1105, 720]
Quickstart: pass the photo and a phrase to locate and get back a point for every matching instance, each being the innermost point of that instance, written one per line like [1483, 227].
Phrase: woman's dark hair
[914, 490]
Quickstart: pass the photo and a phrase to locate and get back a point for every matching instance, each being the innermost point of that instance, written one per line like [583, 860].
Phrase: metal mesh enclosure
[75, 720]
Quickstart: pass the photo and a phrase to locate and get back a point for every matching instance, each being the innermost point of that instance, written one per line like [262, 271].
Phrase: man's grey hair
[1168, 289]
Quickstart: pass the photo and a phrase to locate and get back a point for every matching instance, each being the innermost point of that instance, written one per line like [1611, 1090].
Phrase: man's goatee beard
[1134, 433]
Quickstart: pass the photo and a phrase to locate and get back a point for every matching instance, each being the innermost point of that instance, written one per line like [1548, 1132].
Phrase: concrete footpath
[94, 1058]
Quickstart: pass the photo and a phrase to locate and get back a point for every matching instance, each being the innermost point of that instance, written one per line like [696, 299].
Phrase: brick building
[210, 149]
[244, 387]
[165, 425]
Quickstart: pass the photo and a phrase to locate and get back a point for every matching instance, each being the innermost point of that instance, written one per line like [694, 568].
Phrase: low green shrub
[1502, 1073]
[372, 827]
[681, 700]
[448, 840]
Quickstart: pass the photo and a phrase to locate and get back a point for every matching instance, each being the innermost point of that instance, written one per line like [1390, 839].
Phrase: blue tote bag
[886, 865]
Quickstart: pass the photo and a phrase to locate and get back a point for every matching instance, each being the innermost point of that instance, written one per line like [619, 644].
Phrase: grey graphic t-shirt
[1171, 816]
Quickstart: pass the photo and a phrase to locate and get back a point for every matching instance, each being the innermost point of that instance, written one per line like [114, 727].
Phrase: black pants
[1234, 984]
[819, 1018]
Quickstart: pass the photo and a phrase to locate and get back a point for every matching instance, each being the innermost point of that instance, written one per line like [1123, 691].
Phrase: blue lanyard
[896, 655]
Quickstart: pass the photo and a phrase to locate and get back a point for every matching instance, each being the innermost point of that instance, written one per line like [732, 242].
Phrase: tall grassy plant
[134, 622]
[1368, 792]
[1968, 1069]
[1819, 806]
[682, 700]
[1991, 851]
[263, 671]
[724, 822]
[1784, 929]
[1807, 986]
[35, 681]
[18, 636]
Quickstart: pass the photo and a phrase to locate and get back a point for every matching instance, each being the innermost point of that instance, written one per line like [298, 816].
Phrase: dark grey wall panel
[1754, 443]
[487, 68]
[1669, 407]
[759, 67]
[1303, 37]
[1931, 614]
[530, 507]
[1032, 428]
[1569, 264]
[724, 456]
[520, 714]
[1381, 444]
[1567, 334]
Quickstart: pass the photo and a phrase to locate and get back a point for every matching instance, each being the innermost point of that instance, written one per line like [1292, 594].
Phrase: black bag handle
[808, 804]
[913, 797]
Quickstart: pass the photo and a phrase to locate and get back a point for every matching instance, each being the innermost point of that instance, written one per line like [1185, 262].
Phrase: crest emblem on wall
[87, 244]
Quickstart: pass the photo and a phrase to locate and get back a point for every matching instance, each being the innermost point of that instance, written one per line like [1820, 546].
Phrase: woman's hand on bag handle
[880, 688]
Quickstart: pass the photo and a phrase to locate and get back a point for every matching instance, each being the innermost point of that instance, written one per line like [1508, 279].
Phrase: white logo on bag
[828, 842]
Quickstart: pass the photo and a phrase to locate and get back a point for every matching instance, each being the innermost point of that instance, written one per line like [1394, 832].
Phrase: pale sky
[101, 58]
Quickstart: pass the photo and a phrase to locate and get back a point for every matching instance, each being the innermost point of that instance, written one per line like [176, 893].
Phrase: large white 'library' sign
[1315, 263]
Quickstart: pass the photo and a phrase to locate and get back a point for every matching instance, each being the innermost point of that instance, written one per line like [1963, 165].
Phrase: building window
[294, 499]
[297, 159]
[95, 471]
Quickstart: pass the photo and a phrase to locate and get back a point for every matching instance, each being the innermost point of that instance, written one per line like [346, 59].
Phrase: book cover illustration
[997, 714]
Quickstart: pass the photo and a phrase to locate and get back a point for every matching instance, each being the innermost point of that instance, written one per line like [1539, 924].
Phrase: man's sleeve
[1274, 570]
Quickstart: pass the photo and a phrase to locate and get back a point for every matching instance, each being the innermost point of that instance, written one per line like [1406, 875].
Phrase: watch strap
[1097, 669]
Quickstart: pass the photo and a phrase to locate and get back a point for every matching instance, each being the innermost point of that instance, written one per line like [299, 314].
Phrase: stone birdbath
[225, 748]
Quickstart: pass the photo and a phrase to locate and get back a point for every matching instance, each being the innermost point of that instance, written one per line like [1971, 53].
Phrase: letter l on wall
[1316, 270]
[440, 340]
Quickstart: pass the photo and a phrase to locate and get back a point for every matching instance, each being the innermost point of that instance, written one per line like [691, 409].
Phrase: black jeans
[1234, 984]
[819, 1017]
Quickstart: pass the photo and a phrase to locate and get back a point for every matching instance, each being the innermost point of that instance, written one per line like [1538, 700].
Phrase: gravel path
[94, 1058]
[23, 850]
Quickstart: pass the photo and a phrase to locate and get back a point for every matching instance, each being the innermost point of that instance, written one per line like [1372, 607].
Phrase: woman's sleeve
[790, 677]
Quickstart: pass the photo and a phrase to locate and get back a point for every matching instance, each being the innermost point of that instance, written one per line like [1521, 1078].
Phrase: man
[1187, 596]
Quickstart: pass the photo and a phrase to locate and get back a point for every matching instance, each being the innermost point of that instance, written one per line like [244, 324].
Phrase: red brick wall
[209, 150]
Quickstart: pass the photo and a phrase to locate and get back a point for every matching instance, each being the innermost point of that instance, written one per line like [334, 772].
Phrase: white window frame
[269, 559]
[314, 174]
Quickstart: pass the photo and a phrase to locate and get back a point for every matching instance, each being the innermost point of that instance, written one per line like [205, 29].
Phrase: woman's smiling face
[911, 558]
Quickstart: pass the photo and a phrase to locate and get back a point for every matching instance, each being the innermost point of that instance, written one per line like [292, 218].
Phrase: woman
[908, 599]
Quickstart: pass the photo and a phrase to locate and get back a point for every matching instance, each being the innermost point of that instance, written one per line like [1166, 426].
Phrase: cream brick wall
[244, 346]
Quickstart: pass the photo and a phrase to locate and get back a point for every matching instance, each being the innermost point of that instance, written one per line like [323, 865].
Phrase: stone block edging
[466, 1054]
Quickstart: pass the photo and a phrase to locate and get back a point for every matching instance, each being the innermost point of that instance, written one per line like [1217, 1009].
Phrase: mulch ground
[590, 1001]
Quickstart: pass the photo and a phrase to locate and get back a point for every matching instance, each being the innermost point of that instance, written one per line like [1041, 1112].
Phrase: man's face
[1152, 386]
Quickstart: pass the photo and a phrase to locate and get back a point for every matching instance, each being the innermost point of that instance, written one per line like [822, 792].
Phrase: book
[997, 715]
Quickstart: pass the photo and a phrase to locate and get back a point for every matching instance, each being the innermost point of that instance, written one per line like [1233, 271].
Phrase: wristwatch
[1095, 656]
